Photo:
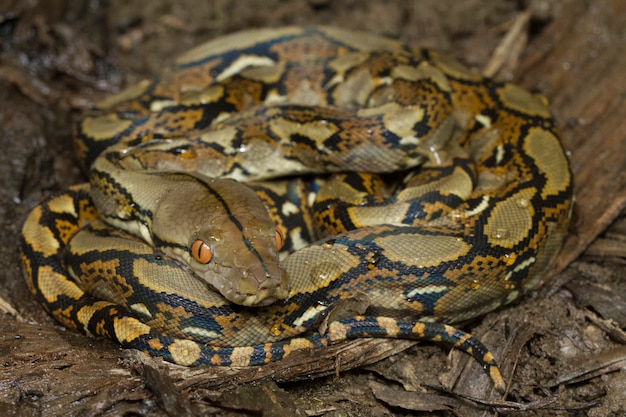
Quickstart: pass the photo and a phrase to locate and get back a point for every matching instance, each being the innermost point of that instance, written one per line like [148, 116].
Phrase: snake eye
[201, 252]
[280, 239]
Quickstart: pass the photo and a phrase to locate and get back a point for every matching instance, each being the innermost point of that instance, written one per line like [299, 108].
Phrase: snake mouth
[260, 299]
[255, 290]
[263, 297]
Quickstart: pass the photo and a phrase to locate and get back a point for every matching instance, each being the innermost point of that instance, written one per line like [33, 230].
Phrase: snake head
[241, 264]
[223, 233]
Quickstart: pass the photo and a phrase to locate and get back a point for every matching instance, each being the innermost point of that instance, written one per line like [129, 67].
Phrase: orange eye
[201, 252]
[280, 239]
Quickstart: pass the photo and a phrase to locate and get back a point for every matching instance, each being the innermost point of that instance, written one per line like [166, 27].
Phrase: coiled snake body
[451, 196]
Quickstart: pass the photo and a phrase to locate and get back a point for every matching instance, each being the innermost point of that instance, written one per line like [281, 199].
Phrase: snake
[284, 189]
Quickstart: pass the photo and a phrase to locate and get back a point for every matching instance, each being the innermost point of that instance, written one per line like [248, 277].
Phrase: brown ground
[563, 348]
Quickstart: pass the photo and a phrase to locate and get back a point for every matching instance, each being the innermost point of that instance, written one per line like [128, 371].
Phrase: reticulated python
[431, 195]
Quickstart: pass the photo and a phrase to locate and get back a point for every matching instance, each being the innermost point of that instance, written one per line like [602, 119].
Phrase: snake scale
[389, 192]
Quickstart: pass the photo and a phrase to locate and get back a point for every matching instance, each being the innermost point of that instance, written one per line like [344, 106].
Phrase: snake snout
[260, 286]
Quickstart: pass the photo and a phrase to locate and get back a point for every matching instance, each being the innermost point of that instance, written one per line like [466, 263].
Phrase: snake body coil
[405, 191]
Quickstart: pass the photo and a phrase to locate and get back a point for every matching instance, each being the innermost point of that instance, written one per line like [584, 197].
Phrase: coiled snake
[431, 195]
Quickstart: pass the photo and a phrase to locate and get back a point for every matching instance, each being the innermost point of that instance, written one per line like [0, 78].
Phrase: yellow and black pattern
[390, 191]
